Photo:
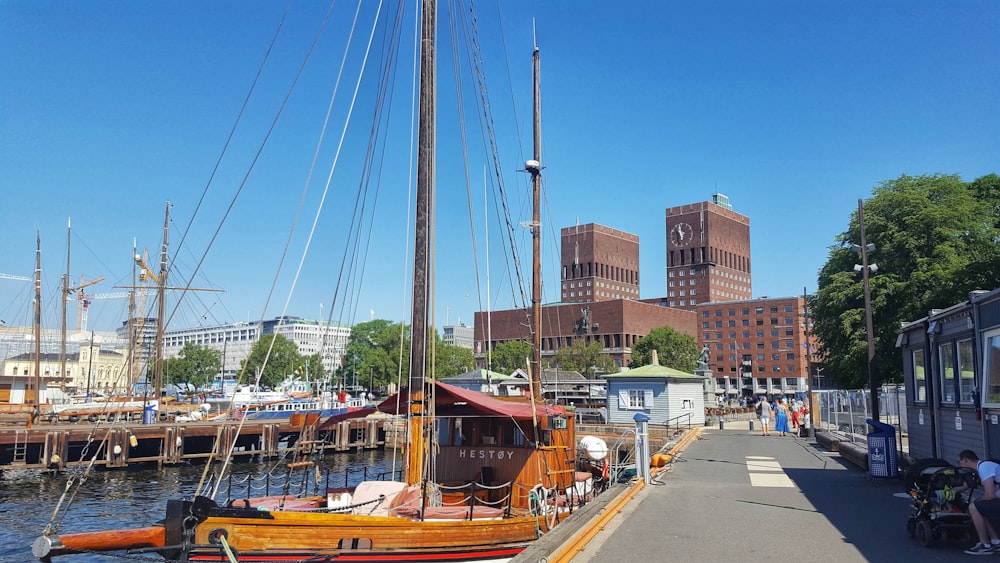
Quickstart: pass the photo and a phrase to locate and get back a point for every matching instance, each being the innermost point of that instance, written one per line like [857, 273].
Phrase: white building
[235, 340]
[459, 335]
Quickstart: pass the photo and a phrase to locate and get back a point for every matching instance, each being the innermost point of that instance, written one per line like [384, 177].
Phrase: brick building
[708, 253]
[616, 324]
[766, 335]
[598, 264]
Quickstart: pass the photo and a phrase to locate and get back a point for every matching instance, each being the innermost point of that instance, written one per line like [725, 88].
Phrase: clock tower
[708, 253]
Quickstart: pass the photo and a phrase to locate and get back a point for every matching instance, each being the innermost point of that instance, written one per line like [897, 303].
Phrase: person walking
[764, 412]
[781, 417]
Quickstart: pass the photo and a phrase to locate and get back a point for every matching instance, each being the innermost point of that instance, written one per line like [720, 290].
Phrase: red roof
[456, 401]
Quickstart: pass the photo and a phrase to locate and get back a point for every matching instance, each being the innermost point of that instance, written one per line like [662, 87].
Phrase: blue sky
[794, 110]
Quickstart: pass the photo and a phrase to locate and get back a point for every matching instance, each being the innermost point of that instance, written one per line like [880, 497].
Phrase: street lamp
[867, 268]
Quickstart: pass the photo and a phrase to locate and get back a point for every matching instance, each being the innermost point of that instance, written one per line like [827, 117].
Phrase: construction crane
[84, 308]
[82, 302]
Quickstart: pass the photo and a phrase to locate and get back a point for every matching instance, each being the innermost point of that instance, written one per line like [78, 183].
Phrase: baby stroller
[939, 512]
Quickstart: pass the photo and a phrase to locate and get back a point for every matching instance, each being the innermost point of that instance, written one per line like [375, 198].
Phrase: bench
[855, 453]
[830, 441]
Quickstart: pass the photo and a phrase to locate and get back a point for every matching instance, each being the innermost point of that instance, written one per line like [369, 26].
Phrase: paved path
[733, 494]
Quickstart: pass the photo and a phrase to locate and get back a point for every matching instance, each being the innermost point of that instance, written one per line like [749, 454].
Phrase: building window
[636, 399]
[966, 373]
[948, 380]
[920, 376]
[991, 370]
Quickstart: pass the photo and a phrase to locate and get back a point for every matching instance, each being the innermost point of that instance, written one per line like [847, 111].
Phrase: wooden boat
[484, 476]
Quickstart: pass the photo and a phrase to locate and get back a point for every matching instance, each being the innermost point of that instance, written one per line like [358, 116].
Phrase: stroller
[939, 512]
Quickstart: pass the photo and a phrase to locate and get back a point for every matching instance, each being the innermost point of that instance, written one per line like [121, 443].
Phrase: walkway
[735, 494]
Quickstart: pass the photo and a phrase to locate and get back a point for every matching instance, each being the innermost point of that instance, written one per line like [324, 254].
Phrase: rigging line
[489, 131]
[239, 118]
[340, 145]
[256, 157]
[460, 102]
[374, 148]
[326, 190]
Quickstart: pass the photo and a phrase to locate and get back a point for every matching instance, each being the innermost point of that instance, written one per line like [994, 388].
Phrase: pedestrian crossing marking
[766, 472]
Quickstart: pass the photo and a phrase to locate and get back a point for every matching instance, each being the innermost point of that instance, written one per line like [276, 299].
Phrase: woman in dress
[781, 417]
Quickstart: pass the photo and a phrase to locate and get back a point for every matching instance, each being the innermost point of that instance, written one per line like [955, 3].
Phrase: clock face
[681, 234]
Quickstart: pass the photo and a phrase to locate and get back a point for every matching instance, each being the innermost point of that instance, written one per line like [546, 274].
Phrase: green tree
[377, 351]
[585, 358]
[935, 241]
[194, 365]
[507, 357]
[284, 359]
[674, 349]
[452, 360]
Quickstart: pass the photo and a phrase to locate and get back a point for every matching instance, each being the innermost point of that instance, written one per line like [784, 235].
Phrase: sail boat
[484, 477]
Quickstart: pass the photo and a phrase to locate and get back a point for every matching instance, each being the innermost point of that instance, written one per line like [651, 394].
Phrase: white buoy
[593, 447]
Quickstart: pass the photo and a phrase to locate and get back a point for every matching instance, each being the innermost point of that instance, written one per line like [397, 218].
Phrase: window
[966, 373]
[920, 377]
[946, 357]
[991, 367]
[635, 399]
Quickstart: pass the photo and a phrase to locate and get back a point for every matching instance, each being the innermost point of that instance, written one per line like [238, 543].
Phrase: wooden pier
[122, 444]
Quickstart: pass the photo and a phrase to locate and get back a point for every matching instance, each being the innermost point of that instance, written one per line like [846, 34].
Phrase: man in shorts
[765, 416]
[987, 506]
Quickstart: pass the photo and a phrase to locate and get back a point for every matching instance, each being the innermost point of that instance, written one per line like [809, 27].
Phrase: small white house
[664, 394]
[489, 382]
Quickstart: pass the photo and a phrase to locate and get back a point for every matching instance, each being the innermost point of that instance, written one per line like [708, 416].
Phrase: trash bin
[149, 415]
[882, 450]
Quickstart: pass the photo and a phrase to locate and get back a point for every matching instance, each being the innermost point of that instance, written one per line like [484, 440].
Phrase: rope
[227, 549]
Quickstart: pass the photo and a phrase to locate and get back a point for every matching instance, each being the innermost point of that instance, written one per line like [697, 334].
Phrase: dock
[119, 445]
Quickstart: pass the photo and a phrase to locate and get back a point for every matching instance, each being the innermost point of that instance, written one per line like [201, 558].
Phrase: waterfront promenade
[735, 495]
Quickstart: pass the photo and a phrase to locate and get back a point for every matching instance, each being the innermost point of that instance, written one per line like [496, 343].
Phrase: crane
[81, 314]
[85, 299]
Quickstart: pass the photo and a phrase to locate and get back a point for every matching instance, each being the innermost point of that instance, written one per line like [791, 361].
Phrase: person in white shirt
[988, 506]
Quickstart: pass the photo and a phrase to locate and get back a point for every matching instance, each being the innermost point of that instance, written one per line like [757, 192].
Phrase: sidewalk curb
[577, 543]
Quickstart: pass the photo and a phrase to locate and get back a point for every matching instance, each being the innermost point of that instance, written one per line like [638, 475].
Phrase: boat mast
[35, 397]
[418, 384]
[65, 298]
[535, 168]
[161, 284]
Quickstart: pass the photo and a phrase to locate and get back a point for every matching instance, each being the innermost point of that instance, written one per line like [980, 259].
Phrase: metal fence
[845, 411]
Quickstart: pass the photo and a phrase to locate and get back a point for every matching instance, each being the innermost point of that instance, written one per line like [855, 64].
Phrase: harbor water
[109, 500]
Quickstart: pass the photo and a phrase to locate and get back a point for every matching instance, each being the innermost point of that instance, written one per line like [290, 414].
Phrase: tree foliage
[284, 360]
[935, 241]
[195, 365]
[377, 352]
[508, 357]
[583, 357]
[674, 349]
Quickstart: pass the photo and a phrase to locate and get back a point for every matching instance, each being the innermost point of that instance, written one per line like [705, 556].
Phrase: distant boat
[483, 476]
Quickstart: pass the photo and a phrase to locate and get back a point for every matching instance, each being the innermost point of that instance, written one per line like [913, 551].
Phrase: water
[110, 500]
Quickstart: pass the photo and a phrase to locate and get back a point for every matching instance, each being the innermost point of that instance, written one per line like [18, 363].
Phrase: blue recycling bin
[882, 450]
[149, 415]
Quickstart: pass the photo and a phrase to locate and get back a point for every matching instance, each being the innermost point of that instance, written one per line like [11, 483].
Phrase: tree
[585, 358]
[452, 360]
[507, 357]
[283, 360]
[935, 241]
[674, 349]
[194, 365]
[377, 352]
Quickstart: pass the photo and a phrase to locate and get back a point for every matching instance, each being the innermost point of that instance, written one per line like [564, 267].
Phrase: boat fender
[74, 418]
[55, 459]
[133, 440]
[117, 450]
[92, 418]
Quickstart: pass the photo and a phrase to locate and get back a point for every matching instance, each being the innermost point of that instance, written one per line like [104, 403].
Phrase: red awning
[456, 401]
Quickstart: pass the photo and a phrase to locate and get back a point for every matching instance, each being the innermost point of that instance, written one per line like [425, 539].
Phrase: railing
[845, 411]
[678, 419]
[287, 483]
